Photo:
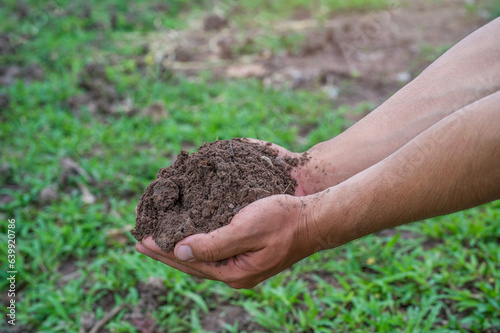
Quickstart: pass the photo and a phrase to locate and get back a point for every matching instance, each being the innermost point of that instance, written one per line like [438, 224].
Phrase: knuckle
[242, 283]
[235, 285]
[207, 252]
[250, 285]
[234, 282]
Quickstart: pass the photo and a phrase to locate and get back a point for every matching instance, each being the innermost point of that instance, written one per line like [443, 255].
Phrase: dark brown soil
[202, 192]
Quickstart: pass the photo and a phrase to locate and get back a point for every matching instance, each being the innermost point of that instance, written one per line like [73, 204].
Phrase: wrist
[334, 217]
[334, 161]
[320, 172]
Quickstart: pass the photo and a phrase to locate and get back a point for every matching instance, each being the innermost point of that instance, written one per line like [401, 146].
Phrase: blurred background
[97, 96]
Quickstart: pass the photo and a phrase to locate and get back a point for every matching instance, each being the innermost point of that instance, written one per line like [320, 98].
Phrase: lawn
[88, 116]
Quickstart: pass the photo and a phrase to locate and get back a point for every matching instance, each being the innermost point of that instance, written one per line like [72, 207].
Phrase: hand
[262, 240]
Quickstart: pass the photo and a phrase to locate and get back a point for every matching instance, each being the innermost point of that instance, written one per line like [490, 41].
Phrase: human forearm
[453, 165]
[414, 157]
[466, 73]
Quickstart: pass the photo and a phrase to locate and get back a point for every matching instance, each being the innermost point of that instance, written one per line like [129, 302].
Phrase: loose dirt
[202, 192]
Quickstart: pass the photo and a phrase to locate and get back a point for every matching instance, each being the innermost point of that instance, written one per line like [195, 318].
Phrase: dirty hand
[262, 240]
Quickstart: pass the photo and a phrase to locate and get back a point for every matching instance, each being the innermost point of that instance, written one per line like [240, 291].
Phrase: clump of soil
[202, 192]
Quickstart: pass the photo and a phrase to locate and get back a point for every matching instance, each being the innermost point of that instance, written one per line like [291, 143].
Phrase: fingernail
[184, 253]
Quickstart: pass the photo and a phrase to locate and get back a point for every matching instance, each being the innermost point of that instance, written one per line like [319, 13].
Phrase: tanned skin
[431, 149]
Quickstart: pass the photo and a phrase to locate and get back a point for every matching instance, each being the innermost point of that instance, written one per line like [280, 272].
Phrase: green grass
[487, 8]
[450, 268]
[262, 13]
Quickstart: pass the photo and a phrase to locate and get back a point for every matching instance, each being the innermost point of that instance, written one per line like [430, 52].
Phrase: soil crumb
[202, 192]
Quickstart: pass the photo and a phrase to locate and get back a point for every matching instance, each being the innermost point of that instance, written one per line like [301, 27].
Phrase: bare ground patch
[375, 53]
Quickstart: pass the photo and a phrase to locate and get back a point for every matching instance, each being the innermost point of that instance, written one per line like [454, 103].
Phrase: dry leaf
[87, 197]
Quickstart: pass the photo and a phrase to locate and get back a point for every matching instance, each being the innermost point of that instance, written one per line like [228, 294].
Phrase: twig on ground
[100, 324]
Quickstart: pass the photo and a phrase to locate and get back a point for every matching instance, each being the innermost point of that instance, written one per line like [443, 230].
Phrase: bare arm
[466, 73]
[453, 165]
[427, 151]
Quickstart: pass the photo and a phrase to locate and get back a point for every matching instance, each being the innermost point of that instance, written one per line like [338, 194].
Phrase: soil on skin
[202, 192]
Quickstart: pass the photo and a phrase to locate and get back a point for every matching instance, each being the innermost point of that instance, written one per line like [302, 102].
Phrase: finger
[151, 245]
[136, 210]
[172, 263]
[224, 270]
[238, 237]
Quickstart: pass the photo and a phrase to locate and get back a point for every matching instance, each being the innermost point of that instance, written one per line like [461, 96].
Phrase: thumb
[228, 241]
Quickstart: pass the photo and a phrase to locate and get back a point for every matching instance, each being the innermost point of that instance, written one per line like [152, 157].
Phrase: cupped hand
[263, 239]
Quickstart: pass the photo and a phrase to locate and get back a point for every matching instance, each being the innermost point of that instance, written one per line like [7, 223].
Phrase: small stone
[279, 161]
[331, 91]
[403, 77]
[48, 195]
